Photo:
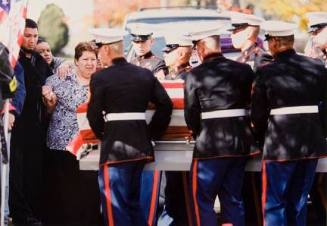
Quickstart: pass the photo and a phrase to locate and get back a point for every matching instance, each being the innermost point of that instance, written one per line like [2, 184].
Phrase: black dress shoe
[29, 221]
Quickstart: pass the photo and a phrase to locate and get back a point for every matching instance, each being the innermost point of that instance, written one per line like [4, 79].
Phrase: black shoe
[29, 221]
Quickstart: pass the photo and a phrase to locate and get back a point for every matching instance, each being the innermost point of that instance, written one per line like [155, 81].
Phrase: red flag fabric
[12, 22]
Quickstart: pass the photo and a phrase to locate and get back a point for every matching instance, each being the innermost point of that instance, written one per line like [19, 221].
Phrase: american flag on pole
[12, 23]
[177, 129]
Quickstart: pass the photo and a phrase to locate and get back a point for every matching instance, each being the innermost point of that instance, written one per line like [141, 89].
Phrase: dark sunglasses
[238, 28]
[169, 48]
[195, 43]
[100, 44]
[317, 29]
[268, 37]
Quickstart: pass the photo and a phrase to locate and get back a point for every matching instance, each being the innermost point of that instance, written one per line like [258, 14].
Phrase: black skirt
[72, 196]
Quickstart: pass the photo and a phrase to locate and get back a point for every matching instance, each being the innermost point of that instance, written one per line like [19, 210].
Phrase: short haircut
[83, 47]
[29, 23]
[212, 42]
[117, 47]
[41, 39]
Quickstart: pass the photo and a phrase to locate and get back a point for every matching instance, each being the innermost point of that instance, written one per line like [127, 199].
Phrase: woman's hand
[49, 98]
[64, 70]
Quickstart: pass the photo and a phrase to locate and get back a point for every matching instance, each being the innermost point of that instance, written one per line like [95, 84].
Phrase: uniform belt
[224, 113]
[294, 110]
[124, 116]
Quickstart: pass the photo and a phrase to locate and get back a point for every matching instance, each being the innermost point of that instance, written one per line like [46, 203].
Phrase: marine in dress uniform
[142, 41]
[217, 96]
[245, 30]
[287, 122]
[318, 32]
[177, 208]
[120, 95]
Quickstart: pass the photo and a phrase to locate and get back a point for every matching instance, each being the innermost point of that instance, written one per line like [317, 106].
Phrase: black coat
[219, 84]
[28, 147]
[34, 115]
[291, 80]
[122, 88]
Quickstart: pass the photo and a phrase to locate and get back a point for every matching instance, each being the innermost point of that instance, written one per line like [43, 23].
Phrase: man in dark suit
[28, 137]
[120, 95]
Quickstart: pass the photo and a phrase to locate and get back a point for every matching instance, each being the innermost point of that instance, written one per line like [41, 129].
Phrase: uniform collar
[145, 56]
[250, 49]
[180, 69]
[285, 54]
[183, 67]
[213, 57]
[119, 60]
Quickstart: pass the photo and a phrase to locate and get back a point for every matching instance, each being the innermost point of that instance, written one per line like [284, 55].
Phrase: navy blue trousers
[285, 188]
[178, 206]
[222, 176]
[120, 187]
[150, 190]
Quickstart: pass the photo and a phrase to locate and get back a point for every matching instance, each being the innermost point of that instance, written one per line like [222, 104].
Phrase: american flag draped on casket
[177, 129]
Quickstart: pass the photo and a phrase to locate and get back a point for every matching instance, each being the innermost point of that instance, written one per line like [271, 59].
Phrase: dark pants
[149, 197]
[178, 209]
[26, 178]
[72, 196]
[120, 187]
[285, 187]
[222, 176]
[251, 193]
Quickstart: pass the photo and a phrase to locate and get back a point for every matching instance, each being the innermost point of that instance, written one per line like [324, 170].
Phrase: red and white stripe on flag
[177, 129]
[12, 22]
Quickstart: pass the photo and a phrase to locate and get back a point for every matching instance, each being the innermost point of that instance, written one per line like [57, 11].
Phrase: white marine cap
[243, 18]
[178, 39]
[317, 20]
[278, 28]
[140, 32]
[173, 41]
[204, 32]
[107, 35]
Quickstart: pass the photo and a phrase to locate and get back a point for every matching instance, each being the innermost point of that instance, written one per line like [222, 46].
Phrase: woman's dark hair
[82, 47]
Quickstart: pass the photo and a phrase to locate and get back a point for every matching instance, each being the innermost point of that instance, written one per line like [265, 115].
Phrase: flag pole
[4, 220]
[5, 167]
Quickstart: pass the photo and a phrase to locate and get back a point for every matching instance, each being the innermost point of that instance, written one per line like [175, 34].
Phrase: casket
[176, 132]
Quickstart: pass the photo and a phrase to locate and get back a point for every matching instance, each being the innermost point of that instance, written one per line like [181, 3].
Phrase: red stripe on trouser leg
[155, 190]
[264, 190]
[187, 196]
[106, 179]
[194, 191]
